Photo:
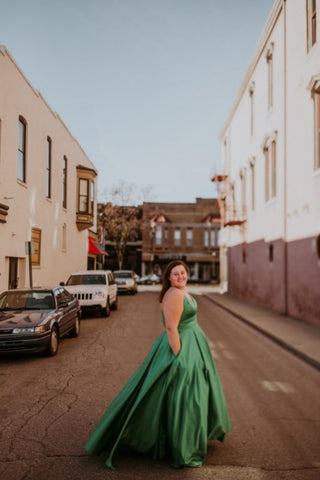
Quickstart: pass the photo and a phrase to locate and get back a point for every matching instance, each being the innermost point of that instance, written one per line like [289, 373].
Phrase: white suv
[94, 289]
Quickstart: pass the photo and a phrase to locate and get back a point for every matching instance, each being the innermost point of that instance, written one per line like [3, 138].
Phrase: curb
[303, 356]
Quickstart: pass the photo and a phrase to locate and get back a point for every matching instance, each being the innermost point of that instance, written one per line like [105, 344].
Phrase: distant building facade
[47, 188]
[186, 231]
[270, 179]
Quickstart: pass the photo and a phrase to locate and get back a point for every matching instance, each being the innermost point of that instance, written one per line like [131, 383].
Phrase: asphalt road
[49, 406]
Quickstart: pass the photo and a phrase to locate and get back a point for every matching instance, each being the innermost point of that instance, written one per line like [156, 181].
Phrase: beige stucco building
[270, 177]
[47, 187]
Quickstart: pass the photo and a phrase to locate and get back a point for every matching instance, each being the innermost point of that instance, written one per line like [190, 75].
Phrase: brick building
[186, 231]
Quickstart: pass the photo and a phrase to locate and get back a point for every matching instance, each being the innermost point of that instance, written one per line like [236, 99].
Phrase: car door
[72, 308]
[112, 287]
[65, 317]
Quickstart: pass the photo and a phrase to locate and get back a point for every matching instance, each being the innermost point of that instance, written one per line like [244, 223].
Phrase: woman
[174, 403]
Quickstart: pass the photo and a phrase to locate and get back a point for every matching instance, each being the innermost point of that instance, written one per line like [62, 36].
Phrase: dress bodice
[189, 314]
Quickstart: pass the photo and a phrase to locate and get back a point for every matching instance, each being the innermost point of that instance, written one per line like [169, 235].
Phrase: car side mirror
[62, 284]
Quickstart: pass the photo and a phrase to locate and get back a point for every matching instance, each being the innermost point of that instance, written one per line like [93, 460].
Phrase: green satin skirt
[170, 407]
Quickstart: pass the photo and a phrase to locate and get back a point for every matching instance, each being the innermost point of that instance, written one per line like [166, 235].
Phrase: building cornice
[260, 49]
[5, 52]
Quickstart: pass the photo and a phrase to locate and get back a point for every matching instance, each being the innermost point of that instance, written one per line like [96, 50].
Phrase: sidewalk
[301, 338]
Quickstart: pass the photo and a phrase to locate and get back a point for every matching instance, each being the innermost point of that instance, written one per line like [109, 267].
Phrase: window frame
[189, 237]
[65, 182]
[270, 83]
[311, 20]
[243, 179]
[36, 241]
[22, 150]
[270, 168]
[48, 167]
[82, 196]
[177, 237]
[253, 183]
[158, 235]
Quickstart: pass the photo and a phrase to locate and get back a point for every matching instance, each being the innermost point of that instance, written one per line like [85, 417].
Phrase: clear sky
[143, 85]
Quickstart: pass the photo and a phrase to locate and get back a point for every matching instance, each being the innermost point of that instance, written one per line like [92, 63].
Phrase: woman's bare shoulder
[173, 295]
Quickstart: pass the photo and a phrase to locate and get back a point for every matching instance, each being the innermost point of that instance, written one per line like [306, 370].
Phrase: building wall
[290, 221]
[28, 206]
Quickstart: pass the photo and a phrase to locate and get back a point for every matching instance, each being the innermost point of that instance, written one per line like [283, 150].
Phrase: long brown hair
[165, 279]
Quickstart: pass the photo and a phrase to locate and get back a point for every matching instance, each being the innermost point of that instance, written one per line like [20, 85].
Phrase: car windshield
[122, 274]
[35, 300]
[87, 280]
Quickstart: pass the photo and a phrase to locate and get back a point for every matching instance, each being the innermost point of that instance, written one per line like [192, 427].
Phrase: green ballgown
[171, 406]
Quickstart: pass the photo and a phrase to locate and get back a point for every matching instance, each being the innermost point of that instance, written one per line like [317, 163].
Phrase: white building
[47, 187]
[270, 178]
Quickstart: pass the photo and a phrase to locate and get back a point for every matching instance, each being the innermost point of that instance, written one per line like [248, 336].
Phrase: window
[270, 156]
[210, 237]
[311, 23]
[269, 58]
[177, 237]
[158, 235]
[271, 252]
[251, 95]
[166, 236]
[244, 253]
[214, 237]
[189, 241]
[36, 240]
[253, 183]
[48, 171]
[243, 190]
[22, 135]
[83, 195]
[206, 238]
[64, 181]
[92, 193]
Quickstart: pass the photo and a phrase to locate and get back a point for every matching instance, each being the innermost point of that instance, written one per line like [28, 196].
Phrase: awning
[95, 249]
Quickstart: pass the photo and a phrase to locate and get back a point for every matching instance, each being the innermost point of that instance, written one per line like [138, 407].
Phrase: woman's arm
[172, 309]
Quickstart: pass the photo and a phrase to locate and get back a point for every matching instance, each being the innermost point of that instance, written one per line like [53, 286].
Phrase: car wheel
[105, 312]
[76, 329]
[115, 304]
[53, 344]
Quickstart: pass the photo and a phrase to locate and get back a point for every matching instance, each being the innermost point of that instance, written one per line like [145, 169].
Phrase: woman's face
[178, 276]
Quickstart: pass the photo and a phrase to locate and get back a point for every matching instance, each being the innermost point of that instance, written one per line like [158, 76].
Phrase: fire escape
[231, 215]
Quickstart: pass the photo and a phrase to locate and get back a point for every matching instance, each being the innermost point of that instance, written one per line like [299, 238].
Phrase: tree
[120, 219]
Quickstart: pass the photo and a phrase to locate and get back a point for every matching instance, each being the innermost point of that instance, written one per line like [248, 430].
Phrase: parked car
[126, 281]
[34, 319]
[151, 279]
[95, 290]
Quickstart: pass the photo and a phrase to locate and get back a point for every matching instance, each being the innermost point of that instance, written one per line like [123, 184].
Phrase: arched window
[270, 166]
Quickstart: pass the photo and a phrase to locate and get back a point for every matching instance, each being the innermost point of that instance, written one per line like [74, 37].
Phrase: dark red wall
[304, 280]
[254, 276]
